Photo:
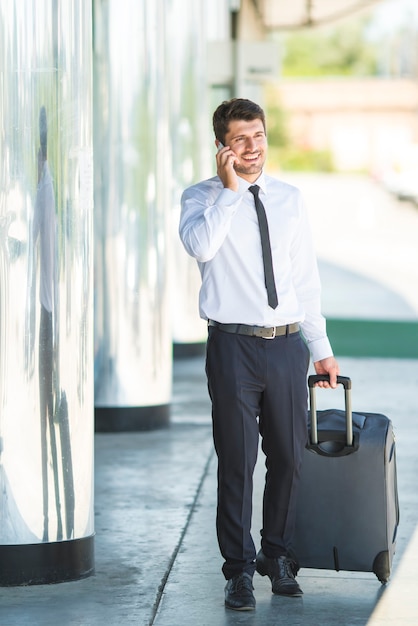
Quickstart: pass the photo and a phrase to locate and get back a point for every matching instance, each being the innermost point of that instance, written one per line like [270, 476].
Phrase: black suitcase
[348, 510]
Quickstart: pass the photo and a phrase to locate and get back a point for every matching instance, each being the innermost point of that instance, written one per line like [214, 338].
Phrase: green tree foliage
[277, 129]
[341, 50]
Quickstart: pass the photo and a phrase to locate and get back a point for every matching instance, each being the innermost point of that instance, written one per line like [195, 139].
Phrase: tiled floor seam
[176, 550]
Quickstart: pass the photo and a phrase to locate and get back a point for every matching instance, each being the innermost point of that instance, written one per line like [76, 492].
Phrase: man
[257, 360]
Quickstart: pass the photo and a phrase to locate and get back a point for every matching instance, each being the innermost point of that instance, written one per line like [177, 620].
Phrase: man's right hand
[225, 160]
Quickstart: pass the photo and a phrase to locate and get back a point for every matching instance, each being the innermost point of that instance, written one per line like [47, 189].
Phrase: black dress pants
[257, 386]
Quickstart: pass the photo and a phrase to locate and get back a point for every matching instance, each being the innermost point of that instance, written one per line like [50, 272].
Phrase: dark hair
[235, 109]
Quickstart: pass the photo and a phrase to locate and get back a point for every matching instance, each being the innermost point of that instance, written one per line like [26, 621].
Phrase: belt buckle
[273, 335]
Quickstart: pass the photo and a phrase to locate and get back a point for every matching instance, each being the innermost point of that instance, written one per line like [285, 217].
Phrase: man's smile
[251, 157]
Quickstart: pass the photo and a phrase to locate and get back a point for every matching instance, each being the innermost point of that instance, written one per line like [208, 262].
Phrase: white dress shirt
[219, 228]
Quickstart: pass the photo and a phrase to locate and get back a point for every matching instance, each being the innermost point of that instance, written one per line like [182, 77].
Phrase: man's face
[248, 141]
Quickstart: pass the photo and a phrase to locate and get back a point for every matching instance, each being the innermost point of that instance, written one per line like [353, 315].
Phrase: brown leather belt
[256, 331]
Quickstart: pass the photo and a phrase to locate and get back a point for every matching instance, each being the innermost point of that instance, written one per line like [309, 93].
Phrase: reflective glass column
[193, 153]
[46, 292]
[133, 355]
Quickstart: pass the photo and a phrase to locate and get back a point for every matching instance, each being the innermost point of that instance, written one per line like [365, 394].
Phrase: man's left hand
[327, 366]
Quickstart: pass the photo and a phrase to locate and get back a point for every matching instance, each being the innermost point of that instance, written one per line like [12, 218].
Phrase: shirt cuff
[228, 197]
[320, 349]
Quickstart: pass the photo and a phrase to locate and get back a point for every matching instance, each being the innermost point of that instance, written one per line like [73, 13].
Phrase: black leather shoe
[280, 572]
[239, 593]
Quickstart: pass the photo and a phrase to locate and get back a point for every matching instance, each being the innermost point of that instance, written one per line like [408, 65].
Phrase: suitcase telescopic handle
[345, 381]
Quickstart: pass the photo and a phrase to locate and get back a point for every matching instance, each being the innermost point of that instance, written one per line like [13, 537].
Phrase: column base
[131, 418]
[189, 350]
[46, 563]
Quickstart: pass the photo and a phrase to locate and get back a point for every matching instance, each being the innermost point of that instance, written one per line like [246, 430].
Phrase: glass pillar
[46, 292]
[133, 353]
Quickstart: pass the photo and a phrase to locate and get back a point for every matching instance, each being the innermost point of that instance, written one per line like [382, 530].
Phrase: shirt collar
[244, 185]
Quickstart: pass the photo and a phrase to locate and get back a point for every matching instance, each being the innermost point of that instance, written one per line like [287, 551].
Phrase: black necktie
[265, 247]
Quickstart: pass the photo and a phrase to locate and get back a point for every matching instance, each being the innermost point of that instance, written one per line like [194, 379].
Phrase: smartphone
[220, 146]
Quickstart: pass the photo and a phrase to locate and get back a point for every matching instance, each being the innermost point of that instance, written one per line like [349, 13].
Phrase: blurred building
[368, 125]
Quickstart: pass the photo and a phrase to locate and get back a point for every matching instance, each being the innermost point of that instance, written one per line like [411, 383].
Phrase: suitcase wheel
[381, 567]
